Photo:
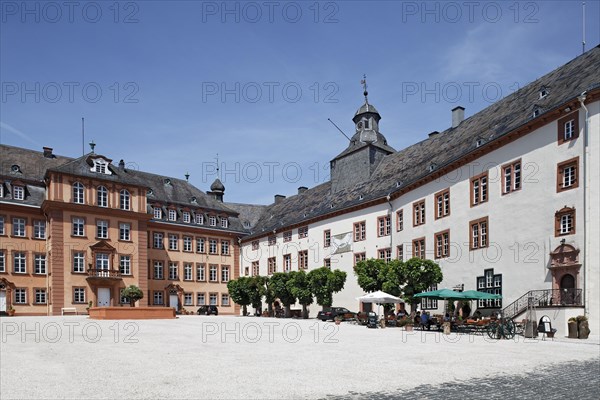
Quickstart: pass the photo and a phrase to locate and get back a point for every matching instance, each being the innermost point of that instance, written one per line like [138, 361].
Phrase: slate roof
[249, 214]
[399, 169]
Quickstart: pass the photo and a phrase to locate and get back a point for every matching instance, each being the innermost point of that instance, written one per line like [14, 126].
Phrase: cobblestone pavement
[580, 380]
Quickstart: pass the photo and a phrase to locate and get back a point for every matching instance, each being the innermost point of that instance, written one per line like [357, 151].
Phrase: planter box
[132, 313]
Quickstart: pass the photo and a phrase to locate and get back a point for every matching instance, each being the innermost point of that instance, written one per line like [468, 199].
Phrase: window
[224, 273]
[385, 254]
[102, 262]
[39, 264]
[19, 227]
[2, 232]
[287, 237]
[124, 231]
[567, 175]
[212, 246]
[255, 268]
[360, 231]
[479, 189]
[158, 298]
[272, 240]
[568, 128]
[564, 222]
[327, 238]
[303, 259]
[173, 241]
[158, 270]
[442, 204]
[157, 212]
[78, 226]
[442, 244]
[78, 295]
[224, 222]
[212, 220]
[187, 272]
[186, 217]
[19, 263]
[79, 262]
[157, 242]
[188, 299]
[2, 261]
[429, 304]
[173, 271]
[40, 296]
[419, 248]
[327, 263]
[479, 233]
[200, 245]
[39, 229]
[102, 229]
[1, 189]
[384, 225]
[200, 272]
[224, 299]
[490, 283]
[20, 296]
[213, 271]
[172, 215]
[399, 220]
[225, 247]
[212, 299]
[511, 177]
[18, 193]
[100, 166]
[78, 193]
[200, 219]
[187, 243]
[125, 265]
[419, 213]
[102, 196]
[200, 299]
[255, 244]
[400, 252]
[358, 257]
[271, 265]
[303, 232]
[124, 200]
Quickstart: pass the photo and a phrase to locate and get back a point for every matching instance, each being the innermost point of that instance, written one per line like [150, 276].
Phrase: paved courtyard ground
[265, 358]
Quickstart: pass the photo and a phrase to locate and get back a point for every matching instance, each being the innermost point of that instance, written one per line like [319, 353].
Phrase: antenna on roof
[338, 128]
[82, 136]
[583, 30]
[218, 174]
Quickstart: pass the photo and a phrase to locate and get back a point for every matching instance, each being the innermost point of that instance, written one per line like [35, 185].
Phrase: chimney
[48, 152]
[279, 198]
[432, 134]
[458, 115]
[302, 189]
[122, 165]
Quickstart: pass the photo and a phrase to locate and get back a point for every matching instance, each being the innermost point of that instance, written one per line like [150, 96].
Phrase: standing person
[425, 322]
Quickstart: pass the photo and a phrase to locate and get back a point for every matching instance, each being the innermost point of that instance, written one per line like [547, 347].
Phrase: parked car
[208, 310]
[330, 313]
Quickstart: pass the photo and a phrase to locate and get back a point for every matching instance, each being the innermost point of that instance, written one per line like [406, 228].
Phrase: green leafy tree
[239, 290]
[267, 291]
[281, 290]
[256, 289]
[299, 285]
[324, 283]
[132, 293]
[418, 275]
[376, 274]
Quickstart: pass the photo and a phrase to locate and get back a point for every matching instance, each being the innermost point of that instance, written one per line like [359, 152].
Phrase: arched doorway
[567, 282]
[567, 289]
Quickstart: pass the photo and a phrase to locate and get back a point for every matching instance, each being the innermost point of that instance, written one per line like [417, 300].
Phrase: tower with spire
[366, 149]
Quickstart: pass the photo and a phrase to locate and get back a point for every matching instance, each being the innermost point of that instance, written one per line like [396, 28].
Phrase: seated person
[425, 321]
[402, 314]
[418, 318]
[447, 317]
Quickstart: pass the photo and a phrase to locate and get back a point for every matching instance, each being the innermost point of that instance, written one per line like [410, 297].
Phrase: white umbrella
[379, 297]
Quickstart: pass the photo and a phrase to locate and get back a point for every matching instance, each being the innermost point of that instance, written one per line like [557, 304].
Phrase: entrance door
[174, 301]
[103, 297]
[2, 301]
[567, 289]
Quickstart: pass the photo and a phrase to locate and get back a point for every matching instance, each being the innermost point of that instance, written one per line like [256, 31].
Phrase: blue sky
[167, 86]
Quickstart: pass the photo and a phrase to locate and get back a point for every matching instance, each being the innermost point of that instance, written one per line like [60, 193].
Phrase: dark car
[330, 313]
[208, 310]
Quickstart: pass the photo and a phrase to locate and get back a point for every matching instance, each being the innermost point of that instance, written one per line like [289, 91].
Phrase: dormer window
[186, 217]
[157, 213]
[479, 143]
[543, 92]
[200, 219]
[432, 167]
[18, 193]
[536, 112]
[224, 222]
[101, 166]
[1, 189]
[15, 168]
[212, 220]
[172, 215]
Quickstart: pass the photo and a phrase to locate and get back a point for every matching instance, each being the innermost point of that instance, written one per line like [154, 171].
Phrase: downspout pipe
[581, 99]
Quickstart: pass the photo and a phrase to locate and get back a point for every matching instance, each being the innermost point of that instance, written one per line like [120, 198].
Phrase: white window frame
[102, 196]
[186, 217]
[125, 231]
[20, 262]
[39, 229]
[102, 229]
[19, 227]
[172, 215]
[125, 265]
[79, 262]
[188, 272]
[18, 193]
[158, 270]
[201, 272]
[124, 200]
[78, 226]
[78, 193]
[39, 264]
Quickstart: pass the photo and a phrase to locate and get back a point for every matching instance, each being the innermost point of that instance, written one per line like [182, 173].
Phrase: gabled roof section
[32, 164]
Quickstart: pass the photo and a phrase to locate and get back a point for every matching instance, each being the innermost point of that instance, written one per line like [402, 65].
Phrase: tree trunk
[131, 303]
[270, 309]
[287, 311]
[244, 310]
[304, 311]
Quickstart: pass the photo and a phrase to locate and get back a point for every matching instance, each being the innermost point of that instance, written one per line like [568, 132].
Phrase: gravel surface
[266, 358]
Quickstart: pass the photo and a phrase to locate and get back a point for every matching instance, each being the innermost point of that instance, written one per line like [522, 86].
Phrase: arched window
[102, 196]
[124, 200]
[78, 191]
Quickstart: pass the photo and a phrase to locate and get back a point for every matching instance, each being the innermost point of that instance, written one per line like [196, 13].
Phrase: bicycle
[501, 329]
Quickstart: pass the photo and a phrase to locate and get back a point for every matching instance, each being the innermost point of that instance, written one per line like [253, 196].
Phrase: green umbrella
[476, 295]
[441, 294]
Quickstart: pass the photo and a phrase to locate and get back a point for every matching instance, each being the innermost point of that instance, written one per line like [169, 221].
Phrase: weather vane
[364, 83]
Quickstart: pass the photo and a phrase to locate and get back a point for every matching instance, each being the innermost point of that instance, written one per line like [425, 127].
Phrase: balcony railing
[544, 298]
[104, 273]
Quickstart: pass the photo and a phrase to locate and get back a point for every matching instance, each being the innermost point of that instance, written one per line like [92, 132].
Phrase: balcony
[103, 275]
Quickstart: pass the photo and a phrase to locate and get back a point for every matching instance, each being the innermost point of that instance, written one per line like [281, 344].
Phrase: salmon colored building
[78, 231]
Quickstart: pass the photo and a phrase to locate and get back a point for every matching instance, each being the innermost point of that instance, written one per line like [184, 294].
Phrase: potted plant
[407, 323]
[337, 319]
[11, 311]
[573, 331]
[90, 304]
[583, 326]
